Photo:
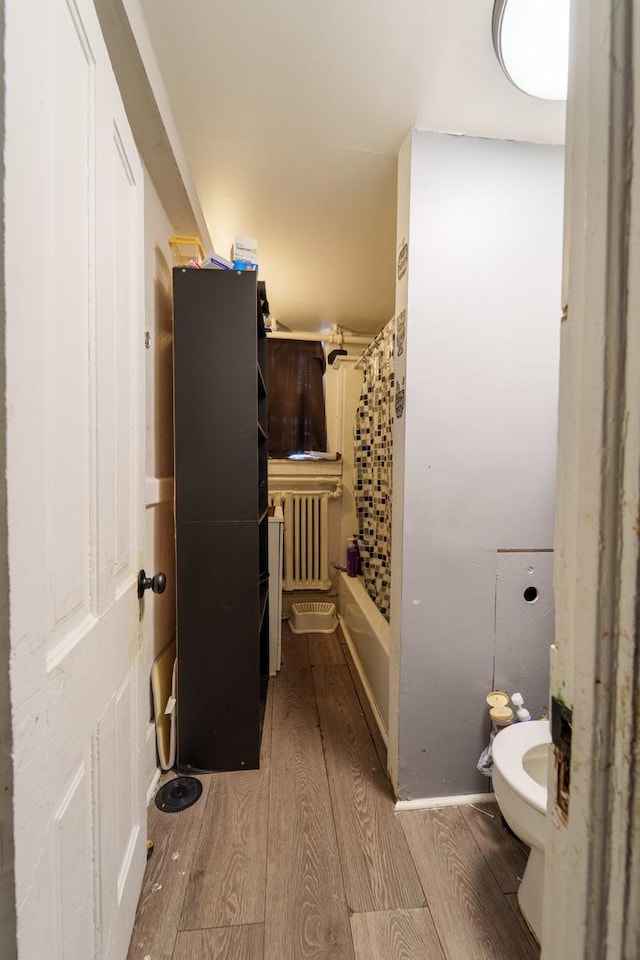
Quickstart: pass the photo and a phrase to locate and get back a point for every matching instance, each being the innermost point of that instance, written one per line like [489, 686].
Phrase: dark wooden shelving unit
[221, 503]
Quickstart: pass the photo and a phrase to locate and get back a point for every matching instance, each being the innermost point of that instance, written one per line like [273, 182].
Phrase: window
[297, 422]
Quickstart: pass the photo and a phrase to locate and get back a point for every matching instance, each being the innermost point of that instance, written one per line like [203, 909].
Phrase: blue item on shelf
[244, 265]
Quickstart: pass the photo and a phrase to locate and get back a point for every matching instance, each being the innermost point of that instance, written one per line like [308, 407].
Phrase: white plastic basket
[313, 617]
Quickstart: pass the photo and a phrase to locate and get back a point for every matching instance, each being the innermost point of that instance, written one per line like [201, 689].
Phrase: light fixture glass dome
[531, 40]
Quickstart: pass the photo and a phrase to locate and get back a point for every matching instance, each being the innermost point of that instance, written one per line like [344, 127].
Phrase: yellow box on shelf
[186, 250]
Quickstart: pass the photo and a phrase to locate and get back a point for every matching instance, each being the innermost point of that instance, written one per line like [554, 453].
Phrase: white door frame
[592, 884]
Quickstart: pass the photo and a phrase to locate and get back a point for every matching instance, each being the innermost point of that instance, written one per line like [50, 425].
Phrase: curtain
[297, 419]
[373, 460]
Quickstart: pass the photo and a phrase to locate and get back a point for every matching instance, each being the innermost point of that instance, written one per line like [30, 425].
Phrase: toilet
[520, 764]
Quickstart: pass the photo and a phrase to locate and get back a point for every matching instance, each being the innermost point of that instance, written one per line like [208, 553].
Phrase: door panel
[105, 765]
[125, 792]
[126, 212]
[74, 865]
[75, 480]
[68, 334]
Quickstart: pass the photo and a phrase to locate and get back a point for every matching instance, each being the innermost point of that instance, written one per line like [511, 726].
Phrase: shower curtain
[372, 467]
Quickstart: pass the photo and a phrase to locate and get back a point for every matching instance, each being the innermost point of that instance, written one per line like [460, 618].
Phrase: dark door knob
[157, 583]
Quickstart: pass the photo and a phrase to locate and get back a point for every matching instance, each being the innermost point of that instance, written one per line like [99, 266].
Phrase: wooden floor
[305, 859]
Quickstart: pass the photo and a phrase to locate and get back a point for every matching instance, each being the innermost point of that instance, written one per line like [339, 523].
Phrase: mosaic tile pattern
[373, 452]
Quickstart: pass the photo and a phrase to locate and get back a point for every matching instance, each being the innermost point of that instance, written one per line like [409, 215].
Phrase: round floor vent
[178, 794]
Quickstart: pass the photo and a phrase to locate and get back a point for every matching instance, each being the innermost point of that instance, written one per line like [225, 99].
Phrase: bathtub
[367, 634]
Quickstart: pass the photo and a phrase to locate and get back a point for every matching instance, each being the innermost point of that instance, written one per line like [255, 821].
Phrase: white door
[74, 304]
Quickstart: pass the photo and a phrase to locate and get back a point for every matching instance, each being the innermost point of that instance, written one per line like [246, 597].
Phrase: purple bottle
[352, 559]
[358, 557]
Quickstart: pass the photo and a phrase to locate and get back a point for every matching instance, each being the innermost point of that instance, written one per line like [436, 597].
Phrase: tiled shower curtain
[373, 467]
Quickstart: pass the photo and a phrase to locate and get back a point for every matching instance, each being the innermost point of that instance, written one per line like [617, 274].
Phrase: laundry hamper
[313, 617]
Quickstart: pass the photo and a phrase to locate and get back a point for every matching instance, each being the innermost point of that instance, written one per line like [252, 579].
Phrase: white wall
[478, 472]
[397, 515]
[7, 891]
[159, 553]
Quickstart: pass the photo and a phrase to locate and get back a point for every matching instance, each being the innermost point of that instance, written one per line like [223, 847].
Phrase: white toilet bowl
[520, 763]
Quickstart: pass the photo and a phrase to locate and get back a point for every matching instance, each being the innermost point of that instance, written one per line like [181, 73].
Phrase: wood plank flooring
[175, 836]
[505, 853]
[305, 859]
[227, 882]
[324, 651]
[377, 867]
[307, 915]
[395, 935]
[220, 943]
[471, 914]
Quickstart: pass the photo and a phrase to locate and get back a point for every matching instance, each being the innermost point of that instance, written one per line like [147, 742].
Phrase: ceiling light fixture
[531, 40]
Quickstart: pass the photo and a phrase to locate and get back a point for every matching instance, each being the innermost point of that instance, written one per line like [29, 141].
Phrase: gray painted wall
[478, 473]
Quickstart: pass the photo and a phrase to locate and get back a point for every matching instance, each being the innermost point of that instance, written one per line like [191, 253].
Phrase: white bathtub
[367, 634]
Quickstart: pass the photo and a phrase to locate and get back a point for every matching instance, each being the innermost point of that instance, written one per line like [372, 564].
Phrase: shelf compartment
[264, 596]
[263, 414]
[262, 387]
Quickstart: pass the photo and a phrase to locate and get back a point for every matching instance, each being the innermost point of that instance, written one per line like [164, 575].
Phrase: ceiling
[291, 115]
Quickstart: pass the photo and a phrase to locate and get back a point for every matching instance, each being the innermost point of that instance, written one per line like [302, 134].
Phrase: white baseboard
[430, 803]
[151, 789]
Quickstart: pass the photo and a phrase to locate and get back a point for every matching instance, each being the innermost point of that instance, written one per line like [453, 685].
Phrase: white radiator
[306, 537]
